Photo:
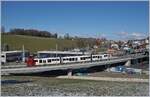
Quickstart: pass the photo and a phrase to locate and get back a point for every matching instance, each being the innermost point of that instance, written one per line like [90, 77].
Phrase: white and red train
[71, 59]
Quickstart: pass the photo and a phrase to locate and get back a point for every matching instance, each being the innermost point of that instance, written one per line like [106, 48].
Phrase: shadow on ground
[3, 82]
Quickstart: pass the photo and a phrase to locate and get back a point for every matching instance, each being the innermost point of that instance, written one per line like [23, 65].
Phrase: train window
[49, 60]
[53, 59]
[105, 55]
[94, 56]
[64, 59]
[40, 61]
[44, 61]
[57, 59]
[82, 58]
[99, 56]
[69, 59]
[36, 60]
[3, 56]
[87, 57]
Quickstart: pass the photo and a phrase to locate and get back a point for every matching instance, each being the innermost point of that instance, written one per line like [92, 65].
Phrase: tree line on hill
[31, 32]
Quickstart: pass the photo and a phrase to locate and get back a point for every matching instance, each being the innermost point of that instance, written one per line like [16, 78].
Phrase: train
[71, 59]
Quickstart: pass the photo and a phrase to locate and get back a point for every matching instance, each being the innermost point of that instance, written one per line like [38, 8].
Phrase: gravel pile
[46, 86]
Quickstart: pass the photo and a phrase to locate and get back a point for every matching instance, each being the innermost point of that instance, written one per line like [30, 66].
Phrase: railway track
[23, 65]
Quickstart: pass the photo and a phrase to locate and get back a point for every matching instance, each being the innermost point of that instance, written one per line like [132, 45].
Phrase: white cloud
[136, 35]
[103, 35]
[124, 33]
[133, 35]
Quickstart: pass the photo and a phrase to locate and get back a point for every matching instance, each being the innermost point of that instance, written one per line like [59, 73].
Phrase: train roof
[16, 51]
[60, 52]
[11, 51]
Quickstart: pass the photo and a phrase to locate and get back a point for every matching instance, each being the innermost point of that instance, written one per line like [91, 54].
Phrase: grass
[34, 44]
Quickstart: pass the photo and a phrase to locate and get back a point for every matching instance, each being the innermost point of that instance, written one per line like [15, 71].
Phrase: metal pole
[23, 54]
[56, 50]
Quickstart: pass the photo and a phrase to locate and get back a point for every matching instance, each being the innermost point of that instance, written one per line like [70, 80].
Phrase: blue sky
[113, 20]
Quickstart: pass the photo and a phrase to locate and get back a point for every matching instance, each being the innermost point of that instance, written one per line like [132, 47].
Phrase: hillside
[34, 44]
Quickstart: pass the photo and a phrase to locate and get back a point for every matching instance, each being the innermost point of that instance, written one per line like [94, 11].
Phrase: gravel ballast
[50, 86]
